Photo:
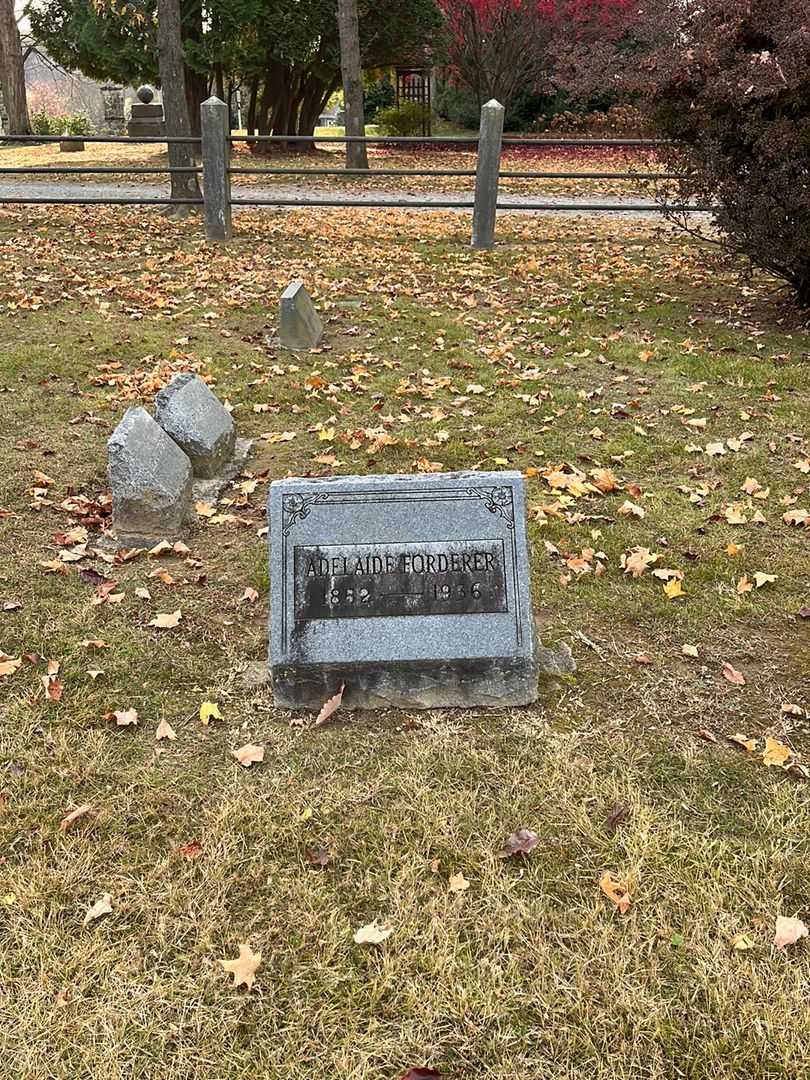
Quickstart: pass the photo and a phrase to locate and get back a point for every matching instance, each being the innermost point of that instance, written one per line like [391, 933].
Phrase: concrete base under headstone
[409, 685]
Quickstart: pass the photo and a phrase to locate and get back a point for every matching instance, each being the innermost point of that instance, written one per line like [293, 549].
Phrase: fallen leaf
[248, 754]
[124, 717]
[192, 850]
[209, 710]
[689, 650]
[73, 816]
[101, 907]
[747, 744]
[619, 814]
[742, 942]
[54, 688]
[9, 664]
[792, 710]
[617, 891]
[764, 579]
[249, 596]
[423, 1073]
[458, 883]
[674, 588]
[775, 753]
[788, 931]
[330, 706]
[628, 509]
[732, 675]
[165, 730]
[244, 967]
[519, 843]
[166, 622]
[318, 856]
[374, 933]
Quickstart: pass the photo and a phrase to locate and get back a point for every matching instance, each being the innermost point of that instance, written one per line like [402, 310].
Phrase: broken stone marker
[150, 477]
[199, 423]
[300, 326]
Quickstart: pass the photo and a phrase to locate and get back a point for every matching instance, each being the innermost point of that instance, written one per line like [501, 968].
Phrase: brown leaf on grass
[318, 856]
[423, 1073]
[617, 815]
[804, 612]
[164, 730]
[103, 906]
[617, 891]
[520, 842]
[636, 561]
[94, 643]
[123, 717]
[74, 816]
[248, 754]
[331, 706]
[604, 480]
[167, 622]
[775, 753]
[250, 596]
[192, 850]
[631, 509]
[732, 675]
[788, 931]
[9, 664]
[244, 967]
[54, 687]
[374, 933]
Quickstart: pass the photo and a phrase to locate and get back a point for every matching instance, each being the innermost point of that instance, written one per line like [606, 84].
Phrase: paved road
[47, 190]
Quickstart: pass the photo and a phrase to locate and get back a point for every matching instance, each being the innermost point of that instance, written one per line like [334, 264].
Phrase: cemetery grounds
[659, 407]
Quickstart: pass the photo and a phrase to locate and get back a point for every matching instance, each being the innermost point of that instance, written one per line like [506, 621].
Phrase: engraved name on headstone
[411, 590]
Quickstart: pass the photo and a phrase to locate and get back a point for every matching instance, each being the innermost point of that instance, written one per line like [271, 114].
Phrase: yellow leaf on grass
[735, 549]
[674, 588]
[9, 664]
[244, 967]
[744, 585]
[209, 710]
[617, 891]
[374, 933]
[764, 579]
[167, 622]
[776, 753]
[458, 883]
[741, 942]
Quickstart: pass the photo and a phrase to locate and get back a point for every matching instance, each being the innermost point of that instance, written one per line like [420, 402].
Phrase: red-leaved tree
[500, 47]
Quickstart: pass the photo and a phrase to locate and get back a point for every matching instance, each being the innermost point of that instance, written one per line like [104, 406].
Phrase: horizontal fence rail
[216, 143]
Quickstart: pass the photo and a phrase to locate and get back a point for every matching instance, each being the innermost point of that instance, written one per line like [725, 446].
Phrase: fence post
[216, 155]
[487, 175]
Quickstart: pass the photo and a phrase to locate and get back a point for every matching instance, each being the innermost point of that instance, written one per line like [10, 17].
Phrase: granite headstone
[300, 326]
[151, 480]
[411, 590]
[189, 411]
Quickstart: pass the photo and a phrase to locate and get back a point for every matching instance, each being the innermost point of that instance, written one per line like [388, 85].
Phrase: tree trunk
[12, 72]
[250, 123]
[351, 69]
[175, 101]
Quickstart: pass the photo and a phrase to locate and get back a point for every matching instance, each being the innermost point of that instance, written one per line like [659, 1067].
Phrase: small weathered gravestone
[199, 423]
[413, 591]
[300, 326]
[151, 480]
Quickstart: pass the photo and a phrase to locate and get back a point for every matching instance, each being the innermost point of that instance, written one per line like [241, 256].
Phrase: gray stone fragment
[556, 660]
[198, 422]
[299, 325]
[151, 480]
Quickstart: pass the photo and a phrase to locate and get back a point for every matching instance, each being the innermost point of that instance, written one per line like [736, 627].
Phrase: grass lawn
[619, 366]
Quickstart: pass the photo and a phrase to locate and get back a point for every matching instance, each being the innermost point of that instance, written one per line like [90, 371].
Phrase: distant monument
[112, 97]
[146, 118]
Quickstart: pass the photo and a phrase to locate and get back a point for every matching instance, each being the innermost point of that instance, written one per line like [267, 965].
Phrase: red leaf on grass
[424, 1073]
